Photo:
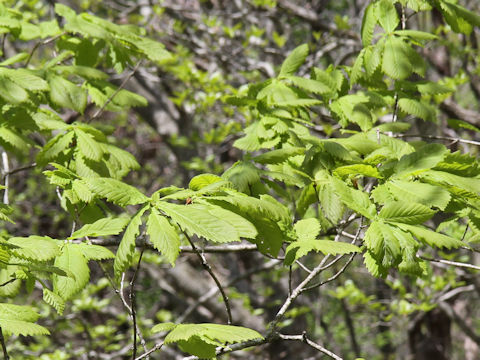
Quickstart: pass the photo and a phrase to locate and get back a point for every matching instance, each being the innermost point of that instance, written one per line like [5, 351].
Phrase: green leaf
[356, 200]
[102, 227]
[416, 34]
[54, 300]
[313, 86]
[278, 156]
[25, 79]
[417, 108]
[202, 339]
[330, 202]
[453, 182]
[421, 160]
[18, 320]
[11, 92]
[396, 63]
[387, 15]
[383, 244]
[300, 248]
[88, 146]
[126, 249]
[37, 248]
[368, 24]
[95, 252]
[293, 62]
[432, 238]
[73, 261]
[116, 191]
[307, 229]
[426, 194]
[244, 228]
[358, 169]
[163, 236]
[197, 219]
[406, 212]
[66, 94]
[200, 181]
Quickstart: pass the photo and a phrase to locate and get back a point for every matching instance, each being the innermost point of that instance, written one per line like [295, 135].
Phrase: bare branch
[454, 263]
[314, 345]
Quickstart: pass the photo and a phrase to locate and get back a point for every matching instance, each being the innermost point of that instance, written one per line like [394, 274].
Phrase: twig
[435, 137]
[311, 343]
[134, 311]
[208, 268]
[221, 248]
[147, 354]
[333, 277]
[16, 170]
[214, 290]
[5, 170]
[454, 263]
[8, 282]
[111, 97]
[42, 43]
[4, 347]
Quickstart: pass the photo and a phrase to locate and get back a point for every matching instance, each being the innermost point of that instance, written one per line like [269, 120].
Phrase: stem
[4, 347]
[208, 268]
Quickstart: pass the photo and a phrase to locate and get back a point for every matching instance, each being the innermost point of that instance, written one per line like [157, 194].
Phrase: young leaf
[396, 63]
[66, 94]
[88, 146]
[54, 300]
[72, 261]
[200, 181]
[95, 252]
[432, 238]
[387, 15]
[126, 249]
[116, 191]
[196, 219]
[426, 194]
[405, 212]
[19, 320]
[423, 159]
[37, 248]
[102, 227]
[356, 200]
[293, 62]
[300, 248]
[307, 229]
[163, 236]
[368, 24]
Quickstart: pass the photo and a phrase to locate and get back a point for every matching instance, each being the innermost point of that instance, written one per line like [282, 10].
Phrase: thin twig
[214, 290]
[454, 263]
[435, 137]
[120, 88]
[5, 170]
[147, 354]
[42, 43]
[133, 309]
[208, 268]
[8, 282]
[311, 343]
[16, 170]
[4, 346]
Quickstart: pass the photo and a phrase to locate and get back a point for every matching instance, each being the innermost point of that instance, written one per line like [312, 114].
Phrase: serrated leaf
[416, 108]
[102, 227]
[74, 262]
[396, 63]
[11, 92]
[200, 181]
[18, 320]
[66, 94]
[163, 236]
[37, 248]
[310, 85]
[294, 60]
[25, 79]
[88, 146]
[196, 219]
[421, 160]
[307, 229]
[406, 212]
[244, 228]
[301, 248]
[95, 252]
[330, 202]
[368, 24]
[54, 147]
[126, 249]
[382, 243]
[432, 238]
[387, 15]
[116, 191]
[356, 200]
[54, 300]
[278, 156]
[426, 194]
[358, 169]
[416, 34]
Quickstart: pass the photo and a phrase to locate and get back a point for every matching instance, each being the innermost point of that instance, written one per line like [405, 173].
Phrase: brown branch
[208, 268]
[434, 137]
[4, 346]
[311, 343]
